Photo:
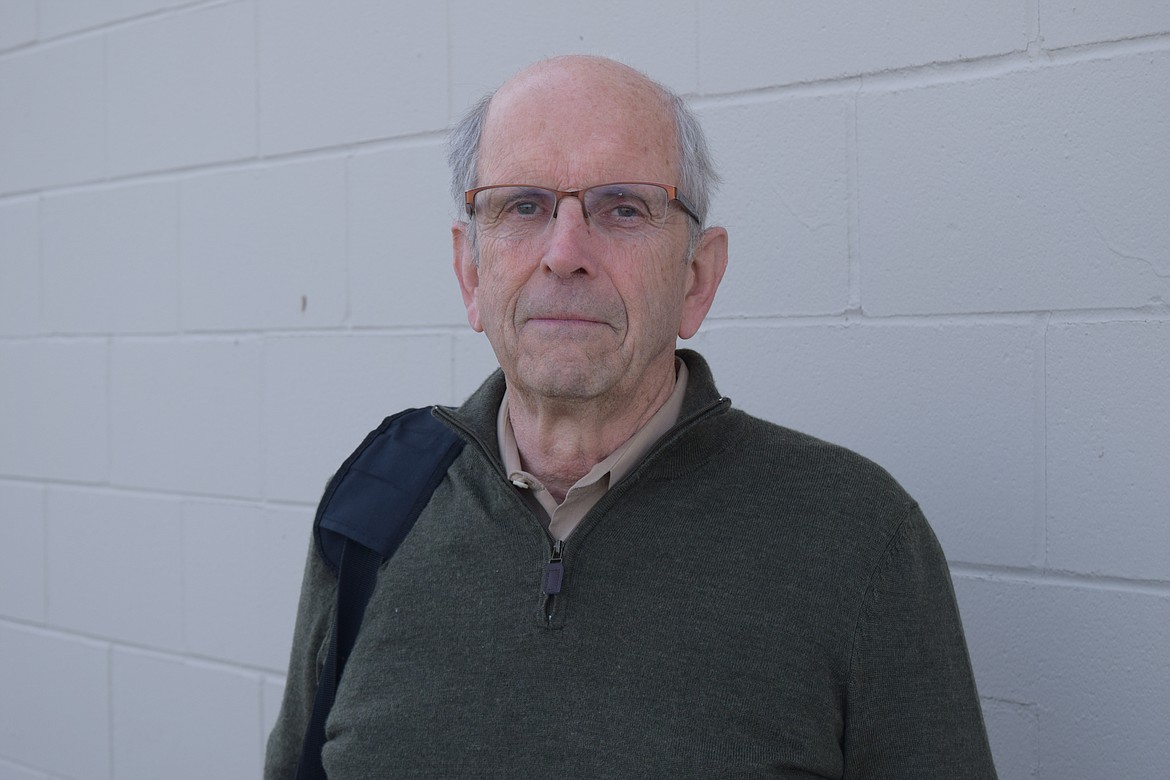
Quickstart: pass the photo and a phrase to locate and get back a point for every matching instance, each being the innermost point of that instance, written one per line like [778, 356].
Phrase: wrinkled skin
[584, 324]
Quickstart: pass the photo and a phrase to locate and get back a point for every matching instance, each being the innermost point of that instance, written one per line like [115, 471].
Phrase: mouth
[565, 323]
[574, 312]
[566, 319]
[572, 325]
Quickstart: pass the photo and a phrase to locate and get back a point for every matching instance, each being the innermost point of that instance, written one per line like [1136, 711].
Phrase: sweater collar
[477, 415]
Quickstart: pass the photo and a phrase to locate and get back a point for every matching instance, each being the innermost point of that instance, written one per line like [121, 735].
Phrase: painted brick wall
[224, 256]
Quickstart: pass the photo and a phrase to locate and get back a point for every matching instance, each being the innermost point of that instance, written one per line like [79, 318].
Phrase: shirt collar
[613, 467]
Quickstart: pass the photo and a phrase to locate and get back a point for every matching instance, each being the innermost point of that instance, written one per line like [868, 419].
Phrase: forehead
[569, 127]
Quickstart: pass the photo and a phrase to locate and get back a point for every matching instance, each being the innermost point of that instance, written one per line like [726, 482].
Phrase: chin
[550, 377]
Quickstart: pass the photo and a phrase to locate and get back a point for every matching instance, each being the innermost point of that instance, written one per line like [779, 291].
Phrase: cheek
[653, 296]
[499, 290]
[491, 299]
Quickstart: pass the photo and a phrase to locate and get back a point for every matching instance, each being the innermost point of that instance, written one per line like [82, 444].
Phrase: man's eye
[629, 211]
[523, 208]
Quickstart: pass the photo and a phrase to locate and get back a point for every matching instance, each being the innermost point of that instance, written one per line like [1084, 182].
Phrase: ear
[706, 271]
[466, 271]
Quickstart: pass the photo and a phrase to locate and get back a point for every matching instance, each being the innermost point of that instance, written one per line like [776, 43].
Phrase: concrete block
[185, 416]
[1076, 22]
[20, 276]
[53, 100]
[272, 693]
[59, 18]
[334, 74]
[182, 90]
[474, 361]
[110, 260]
[242, 567]
[114, 566]
[54, 413]
[323, 394]
[183, 720]
[948, 410]
[655, 36]
[10, 771]
[1108, 461]
[22, 552]
[1013, 731]
[746, 45]
[18, 23]
[1104, 659]
[56, 703]
[399, 220]
[1091, 660]
[1002, 636]
[1022, 192]
[264, 248]
[784, 204]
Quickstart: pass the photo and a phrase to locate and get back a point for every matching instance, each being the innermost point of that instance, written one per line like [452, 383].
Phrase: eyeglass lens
[610, 208]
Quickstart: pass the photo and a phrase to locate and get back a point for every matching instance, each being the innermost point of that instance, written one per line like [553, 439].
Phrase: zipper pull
[554, 571]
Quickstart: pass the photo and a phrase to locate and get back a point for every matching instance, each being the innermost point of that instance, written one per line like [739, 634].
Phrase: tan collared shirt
[562, 518]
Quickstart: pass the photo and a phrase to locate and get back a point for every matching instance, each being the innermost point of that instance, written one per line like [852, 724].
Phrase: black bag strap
[368, 508]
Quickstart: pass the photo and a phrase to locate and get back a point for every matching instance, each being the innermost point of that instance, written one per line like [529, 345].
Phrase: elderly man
[733, 598]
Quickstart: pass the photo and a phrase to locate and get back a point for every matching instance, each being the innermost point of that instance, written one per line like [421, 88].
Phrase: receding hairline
[586, 64]
[697, 177]
[619, 79]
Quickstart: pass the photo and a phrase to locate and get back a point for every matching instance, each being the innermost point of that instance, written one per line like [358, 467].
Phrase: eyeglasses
[623, 208]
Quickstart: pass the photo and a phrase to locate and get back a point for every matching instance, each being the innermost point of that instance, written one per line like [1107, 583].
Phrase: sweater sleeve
[310, 638]
[912, 710]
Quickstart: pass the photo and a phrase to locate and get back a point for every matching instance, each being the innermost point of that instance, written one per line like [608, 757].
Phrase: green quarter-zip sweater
[748, 602]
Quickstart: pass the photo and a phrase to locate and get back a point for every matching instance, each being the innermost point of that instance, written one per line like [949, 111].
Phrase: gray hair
[697, 176]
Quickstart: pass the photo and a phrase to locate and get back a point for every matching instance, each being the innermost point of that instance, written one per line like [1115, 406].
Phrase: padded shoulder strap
[367, 510]
[376, 495]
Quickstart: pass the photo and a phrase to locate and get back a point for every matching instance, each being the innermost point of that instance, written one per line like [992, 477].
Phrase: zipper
[551, 579]
[553, 573]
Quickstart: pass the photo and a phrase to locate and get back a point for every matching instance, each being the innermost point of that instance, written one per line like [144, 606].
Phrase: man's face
[573, 312]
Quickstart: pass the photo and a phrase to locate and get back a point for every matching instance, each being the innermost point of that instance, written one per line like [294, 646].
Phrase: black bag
[368, 508]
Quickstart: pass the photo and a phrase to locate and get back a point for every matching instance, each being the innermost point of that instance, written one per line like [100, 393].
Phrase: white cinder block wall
[224, 256]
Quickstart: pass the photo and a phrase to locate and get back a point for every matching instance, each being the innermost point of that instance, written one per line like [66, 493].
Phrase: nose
[569, 250]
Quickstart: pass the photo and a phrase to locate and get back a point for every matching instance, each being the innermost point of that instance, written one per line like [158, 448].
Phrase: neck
[561, 439]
